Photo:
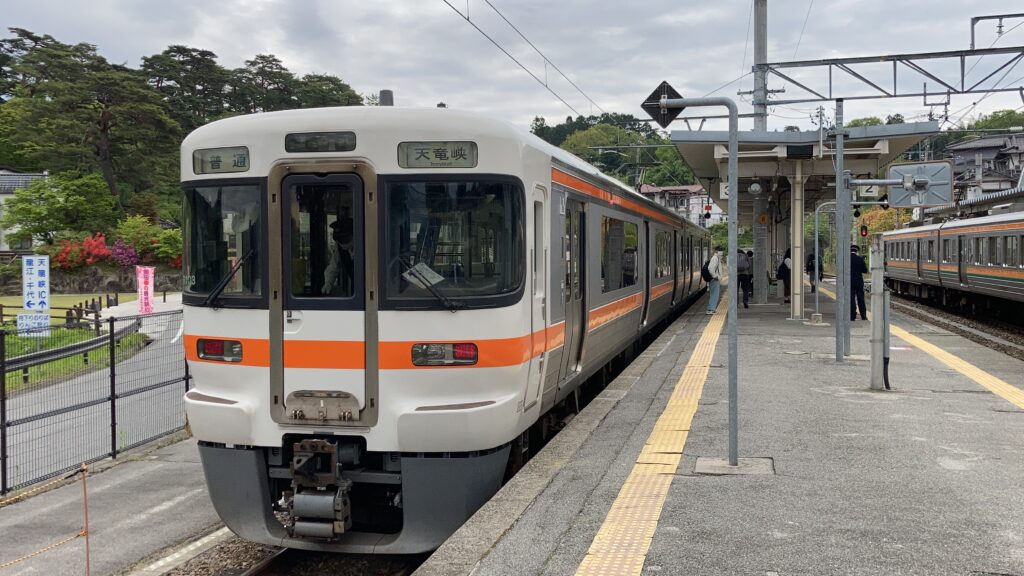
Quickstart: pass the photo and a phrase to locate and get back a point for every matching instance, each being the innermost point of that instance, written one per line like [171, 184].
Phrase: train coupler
[320, 506]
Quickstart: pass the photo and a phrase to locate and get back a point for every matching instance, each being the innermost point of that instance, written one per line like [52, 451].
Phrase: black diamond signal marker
[652, 105]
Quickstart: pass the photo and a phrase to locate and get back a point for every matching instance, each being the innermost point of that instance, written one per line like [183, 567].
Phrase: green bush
[139, 233]
[168, 244]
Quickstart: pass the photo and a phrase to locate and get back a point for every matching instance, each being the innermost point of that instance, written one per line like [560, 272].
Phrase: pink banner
[144, 276]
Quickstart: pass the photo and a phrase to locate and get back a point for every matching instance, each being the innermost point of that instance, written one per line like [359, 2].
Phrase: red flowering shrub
[91, 250]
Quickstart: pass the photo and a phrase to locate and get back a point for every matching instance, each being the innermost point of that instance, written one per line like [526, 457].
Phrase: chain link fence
[81, 392]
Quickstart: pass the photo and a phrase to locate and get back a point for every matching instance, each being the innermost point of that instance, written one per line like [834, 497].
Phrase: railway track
[289, 562]
[1002, 336]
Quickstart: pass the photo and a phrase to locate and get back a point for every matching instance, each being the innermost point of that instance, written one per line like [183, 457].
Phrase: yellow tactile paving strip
[621, 544]
[1008, 392]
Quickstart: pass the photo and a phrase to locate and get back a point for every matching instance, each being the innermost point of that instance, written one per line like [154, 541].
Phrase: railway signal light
[863, 231]
[856, 212]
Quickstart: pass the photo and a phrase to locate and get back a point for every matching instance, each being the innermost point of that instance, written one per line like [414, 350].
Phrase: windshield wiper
[450, 304]
[227, 278]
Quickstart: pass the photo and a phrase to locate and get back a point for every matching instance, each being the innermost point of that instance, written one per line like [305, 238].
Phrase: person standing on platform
[857, 271]
[715, 284]
[815, 278]
[784, 274]
[743, 282]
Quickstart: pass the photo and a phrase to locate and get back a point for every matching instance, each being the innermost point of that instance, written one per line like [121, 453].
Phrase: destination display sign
[220, 160]
[437, 154]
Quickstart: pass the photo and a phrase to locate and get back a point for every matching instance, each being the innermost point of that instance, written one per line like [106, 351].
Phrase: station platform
[836, 478]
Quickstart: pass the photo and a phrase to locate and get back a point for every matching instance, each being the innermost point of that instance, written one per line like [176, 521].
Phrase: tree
[1000, 119]
[720, 236]
[190, 81]
[263, 85]
[72, 111]
[894, 119]
[866, 121]
[588, 143]
[63, 203]
[321, 90]
[670, 169]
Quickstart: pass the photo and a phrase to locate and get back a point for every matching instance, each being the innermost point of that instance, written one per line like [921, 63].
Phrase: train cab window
[223, 231]
[618, 254]
[323, 240]
[662, 254]
[453, 240]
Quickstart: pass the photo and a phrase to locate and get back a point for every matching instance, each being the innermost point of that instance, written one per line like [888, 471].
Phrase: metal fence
[73, 394]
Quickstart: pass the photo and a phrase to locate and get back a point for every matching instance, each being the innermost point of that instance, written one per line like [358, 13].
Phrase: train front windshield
[223, 230]
[452, 240]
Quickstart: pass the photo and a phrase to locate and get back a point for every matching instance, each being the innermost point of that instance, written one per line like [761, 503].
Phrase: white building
[688, 200]
[11, 180]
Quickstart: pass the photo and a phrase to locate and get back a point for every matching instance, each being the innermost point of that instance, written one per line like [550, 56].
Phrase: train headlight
[219, 350]
[444, 354]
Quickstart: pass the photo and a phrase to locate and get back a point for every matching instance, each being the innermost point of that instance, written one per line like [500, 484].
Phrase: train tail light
[443, 354]
[220, 350]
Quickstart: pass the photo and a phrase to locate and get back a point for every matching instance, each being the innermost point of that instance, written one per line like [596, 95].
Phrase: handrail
[45, 356]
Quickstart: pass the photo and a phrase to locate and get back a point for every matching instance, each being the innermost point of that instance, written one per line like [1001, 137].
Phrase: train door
[689, 264]
[919, 254]
[677, 266]
[964, 256]
[573, 290]
[647, 256]
[538, 312]
[323, 340]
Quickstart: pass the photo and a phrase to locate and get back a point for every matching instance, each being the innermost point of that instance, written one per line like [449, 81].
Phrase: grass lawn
[73, 365]
[12, 304]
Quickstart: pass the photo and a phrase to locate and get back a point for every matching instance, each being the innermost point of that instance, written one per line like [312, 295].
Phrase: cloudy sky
[615, 51]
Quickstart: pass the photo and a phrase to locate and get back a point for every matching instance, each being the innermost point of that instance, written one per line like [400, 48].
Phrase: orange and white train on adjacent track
[380, 302]
[974, 262]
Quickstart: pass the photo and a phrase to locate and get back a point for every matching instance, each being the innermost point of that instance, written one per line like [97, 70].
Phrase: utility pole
[760, 73]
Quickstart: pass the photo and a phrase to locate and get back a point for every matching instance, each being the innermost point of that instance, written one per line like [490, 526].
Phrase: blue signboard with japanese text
[35, 283]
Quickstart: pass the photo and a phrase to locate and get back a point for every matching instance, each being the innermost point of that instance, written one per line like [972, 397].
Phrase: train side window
[662, 254]
[979, 250]
[994, 250]
[618, 254]
[1012, 251]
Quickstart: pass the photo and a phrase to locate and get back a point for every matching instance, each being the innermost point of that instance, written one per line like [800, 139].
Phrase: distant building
[11, 180]
[988, 163]
[687, 200]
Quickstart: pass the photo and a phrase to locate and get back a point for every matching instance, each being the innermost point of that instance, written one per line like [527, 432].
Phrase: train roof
[953, 224]
[269, 128]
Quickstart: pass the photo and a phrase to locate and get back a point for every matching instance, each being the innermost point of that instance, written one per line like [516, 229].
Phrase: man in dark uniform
[857, 271]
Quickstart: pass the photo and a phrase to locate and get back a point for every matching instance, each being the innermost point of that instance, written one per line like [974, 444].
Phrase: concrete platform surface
[925, 479]
[137, 508]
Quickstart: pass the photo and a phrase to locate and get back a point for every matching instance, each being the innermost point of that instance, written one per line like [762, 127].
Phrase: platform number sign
[35, 283]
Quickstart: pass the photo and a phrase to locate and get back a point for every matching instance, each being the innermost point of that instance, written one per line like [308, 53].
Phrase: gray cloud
[615, 51]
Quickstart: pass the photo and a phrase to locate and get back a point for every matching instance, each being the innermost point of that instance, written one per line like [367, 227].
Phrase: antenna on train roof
[387, 98]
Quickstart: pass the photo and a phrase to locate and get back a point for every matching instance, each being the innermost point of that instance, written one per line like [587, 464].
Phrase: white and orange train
[381, 302]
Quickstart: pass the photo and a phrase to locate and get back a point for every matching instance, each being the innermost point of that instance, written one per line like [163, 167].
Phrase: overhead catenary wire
[546, 59]
[802, 28]
[513, 58]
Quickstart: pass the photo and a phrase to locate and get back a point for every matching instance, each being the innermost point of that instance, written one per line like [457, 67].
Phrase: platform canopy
[770, 158]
